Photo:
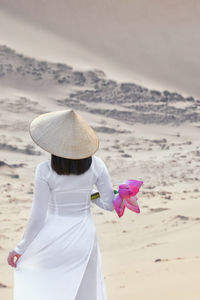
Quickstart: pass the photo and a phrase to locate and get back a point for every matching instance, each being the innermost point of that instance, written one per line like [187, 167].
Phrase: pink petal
[119, 205]
[134, 186]
[124, 191]
[132, 204]
[132, 182]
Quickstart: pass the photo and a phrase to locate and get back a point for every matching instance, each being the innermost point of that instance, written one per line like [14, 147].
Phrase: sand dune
[155, 44]
[127, 102]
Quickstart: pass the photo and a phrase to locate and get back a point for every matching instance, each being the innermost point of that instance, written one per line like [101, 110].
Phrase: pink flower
[126, 197]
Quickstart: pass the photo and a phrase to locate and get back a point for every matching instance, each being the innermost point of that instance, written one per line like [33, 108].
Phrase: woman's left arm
[38, 210]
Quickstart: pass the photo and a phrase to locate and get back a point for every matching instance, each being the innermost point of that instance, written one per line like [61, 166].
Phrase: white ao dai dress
[61, 258]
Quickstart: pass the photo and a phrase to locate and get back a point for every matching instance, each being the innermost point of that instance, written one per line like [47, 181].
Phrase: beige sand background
[76, 55]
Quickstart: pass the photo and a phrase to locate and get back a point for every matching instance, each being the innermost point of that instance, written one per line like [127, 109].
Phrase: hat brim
[64, 134]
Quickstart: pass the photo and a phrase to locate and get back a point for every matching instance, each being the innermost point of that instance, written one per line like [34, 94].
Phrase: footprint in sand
[2, 236]
[160, 260]
[152, 244]
[159, 209]
[166, 259]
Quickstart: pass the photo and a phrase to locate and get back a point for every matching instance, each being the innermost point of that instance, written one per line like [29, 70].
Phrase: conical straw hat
[64, 133]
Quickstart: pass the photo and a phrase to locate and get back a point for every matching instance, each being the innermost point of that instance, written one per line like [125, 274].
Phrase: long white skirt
[63, 262]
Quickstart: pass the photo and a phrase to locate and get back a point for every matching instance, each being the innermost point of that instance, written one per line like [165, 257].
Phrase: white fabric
[60, 252]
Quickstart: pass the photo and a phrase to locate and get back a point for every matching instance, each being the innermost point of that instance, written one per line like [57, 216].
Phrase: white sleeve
[38, 210]
[105, 188]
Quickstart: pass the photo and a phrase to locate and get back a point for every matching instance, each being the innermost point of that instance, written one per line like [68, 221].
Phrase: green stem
[97, 195]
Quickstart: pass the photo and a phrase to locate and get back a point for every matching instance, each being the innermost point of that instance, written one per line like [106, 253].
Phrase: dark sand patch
[159, 209]
[28, 149]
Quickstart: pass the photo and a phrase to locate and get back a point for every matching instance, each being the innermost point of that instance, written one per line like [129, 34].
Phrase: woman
[59, 256]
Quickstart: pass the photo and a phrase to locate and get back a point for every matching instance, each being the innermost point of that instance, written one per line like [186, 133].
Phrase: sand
[146, 133]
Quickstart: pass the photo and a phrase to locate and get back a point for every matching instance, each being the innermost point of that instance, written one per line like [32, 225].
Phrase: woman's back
[70, 194]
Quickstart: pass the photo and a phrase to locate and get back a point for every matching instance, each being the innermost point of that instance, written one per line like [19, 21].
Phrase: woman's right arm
[105, 188]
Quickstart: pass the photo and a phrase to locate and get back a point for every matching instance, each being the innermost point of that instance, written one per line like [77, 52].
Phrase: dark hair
[66, 166]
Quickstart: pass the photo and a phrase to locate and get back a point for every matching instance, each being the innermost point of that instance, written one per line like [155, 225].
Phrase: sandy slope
[155, 43]
[154, 255]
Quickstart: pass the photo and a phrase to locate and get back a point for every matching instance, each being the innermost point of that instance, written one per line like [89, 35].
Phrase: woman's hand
[11, 257]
